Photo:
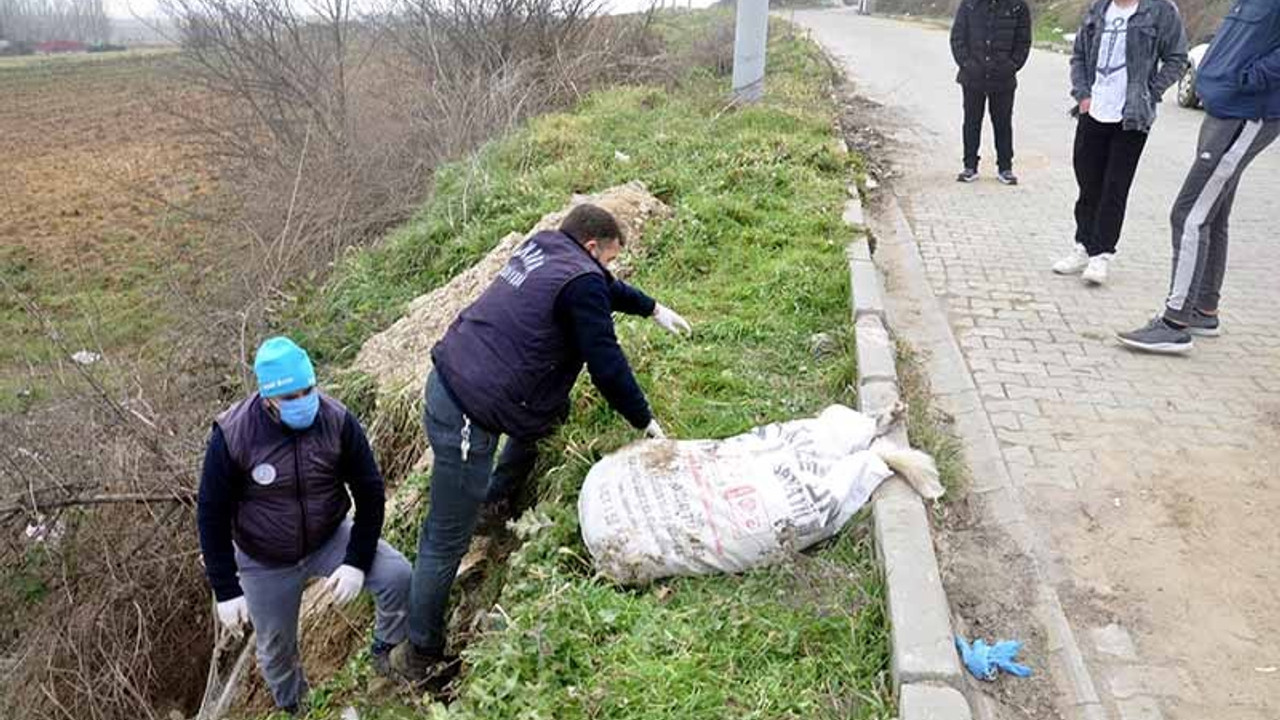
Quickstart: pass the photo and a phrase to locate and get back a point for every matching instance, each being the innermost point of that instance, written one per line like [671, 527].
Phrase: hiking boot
[380, 657]
[423, 668]
[1096, 272]
[494, 516]
[1158, 336]
[1074, 263]
[1204, 325]
[1006, 177]
[968, 175]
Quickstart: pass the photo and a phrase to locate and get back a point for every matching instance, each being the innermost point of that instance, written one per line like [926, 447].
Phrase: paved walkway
[1152, 481]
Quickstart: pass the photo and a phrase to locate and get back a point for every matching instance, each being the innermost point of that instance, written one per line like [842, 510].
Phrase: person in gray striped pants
[1239, 83]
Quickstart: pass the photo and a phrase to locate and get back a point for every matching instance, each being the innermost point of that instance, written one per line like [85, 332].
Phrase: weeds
[754, 258]
[927, 427]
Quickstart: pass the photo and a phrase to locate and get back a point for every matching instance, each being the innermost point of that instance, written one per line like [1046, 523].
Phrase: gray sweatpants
[274, 595]
[1203, 208]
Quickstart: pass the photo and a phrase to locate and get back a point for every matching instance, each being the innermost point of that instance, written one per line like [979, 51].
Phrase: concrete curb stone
[926, 670]
[927, 702]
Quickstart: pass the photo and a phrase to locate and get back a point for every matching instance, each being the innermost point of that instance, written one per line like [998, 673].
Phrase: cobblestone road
[1153, 480]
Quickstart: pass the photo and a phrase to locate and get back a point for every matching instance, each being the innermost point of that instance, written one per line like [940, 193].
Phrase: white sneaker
[1096, 273]
[1072, 264]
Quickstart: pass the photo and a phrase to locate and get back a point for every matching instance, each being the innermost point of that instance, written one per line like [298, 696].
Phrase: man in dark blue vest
[506, 367]
[279, 474]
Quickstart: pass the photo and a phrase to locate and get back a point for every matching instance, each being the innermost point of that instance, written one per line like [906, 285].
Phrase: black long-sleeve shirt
[584, 308]
[221, 484]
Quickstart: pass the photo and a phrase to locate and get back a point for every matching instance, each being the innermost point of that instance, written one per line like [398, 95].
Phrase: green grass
[928, 428]
[753, 257]
[1052, 19]
[41, 62]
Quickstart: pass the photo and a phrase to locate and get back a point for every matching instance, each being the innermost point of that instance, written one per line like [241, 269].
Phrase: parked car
[1187, 96]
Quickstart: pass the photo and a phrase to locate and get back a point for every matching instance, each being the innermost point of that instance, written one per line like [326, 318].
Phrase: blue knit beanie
[282, 368]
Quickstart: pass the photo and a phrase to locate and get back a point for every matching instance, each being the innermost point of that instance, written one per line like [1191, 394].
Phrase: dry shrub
[330, 124]
[106, 614]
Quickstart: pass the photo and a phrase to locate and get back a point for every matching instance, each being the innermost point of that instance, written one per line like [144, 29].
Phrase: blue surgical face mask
[300, 413]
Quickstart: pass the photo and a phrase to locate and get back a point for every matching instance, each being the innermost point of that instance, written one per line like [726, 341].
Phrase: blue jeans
[459, 486]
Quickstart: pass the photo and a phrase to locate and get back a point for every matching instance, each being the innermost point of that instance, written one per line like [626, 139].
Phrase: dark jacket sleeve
[1172, 50]
[359, 470]
[629, 300]
[960, 35]
[1263, 73]
[583, 308]
[1081, 88]
[215, 512]
[1022, 38]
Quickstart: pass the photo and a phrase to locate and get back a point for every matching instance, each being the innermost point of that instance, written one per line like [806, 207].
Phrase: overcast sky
[149, 8]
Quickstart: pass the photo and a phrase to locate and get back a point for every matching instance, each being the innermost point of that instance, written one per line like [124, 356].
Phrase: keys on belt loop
[466, 437]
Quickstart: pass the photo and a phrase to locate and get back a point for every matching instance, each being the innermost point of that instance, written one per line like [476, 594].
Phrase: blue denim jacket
[1156, 57]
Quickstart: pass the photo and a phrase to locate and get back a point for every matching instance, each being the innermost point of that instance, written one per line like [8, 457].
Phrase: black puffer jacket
[991, 40]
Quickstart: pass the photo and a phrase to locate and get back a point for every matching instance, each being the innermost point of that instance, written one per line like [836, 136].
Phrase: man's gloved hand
[344, 584]
[234, 614]
[654, 430]
[670, 320]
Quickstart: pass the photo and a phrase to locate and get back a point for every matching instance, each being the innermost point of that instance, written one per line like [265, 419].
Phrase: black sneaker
[1204, 325]
[423, 668]
[969, 175]
[1158, 336]
[1006, 177]
[494, 516]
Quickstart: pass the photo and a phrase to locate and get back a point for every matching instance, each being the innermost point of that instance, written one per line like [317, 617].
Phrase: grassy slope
[754, 258]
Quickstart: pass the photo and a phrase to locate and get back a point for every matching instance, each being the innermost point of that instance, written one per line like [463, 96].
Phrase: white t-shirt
[1111, 83]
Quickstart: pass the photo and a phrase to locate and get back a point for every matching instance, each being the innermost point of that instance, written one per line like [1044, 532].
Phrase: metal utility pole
[749, 40]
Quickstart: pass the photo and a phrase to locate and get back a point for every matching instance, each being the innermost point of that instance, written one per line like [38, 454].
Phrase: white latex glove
[234, 614]
[670, 320]
[654, 430]
[344, 584]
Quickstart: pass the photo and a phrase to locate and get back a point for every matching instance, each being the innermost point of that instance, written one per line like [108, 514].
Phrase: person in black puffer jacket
[991, 41]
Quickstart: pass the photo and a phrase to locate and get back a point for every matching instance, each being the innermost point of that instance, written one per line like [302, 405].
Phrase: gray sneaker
[1204, 325]
[1158, 336]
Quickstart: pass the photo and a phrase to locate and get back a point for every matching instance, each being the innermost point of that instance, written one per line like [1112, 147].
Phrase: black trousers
[1106, 159]
[976, 102]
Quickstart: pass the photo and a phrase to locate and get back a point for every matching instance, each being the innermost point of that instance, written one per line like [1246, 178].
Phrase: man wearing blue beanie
[272, 514]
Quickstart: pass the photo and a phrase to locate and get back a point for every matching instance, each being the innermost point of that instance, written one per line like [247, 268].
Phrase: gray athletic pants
[1203, 208]
[274, 595]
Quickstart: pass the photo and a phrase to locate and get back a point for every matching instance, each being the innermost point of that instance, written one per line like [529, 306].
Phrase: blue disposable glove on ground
[985, 662]
[1003, 654]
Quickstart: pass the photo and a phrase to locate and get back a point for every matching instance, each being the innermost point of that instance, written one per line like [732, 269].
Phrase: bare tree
[37, 21]
[331, 123]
